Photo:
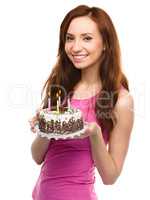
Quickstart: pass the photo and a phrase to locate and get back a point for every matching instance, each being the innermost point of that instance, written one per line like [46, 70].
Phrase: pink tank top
[68, 169]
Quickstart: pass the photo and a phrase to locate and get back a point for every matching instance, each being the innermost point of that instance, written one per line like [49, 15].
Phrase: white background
[28, 47]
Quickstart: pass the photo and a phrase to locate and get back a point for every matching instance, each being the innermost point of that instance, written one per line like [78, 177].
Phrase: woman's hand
[34, 121]
[92, 130]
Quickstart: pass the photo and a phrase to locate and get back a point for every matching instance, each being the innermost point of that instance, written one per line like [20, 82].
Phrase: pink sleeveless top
[67, 172]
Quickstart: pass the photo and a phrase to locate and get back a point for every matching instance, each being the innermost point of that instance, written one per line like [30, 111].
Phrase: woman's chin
[80, 65]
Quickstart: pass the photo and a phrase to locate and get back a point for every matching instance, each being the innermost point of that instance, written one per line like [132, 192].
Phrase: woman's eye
[68, 38]
[87, 38]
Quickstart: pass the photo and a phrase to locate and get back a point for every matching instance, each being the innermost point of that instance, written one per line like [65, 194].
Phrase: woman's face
[84, 43]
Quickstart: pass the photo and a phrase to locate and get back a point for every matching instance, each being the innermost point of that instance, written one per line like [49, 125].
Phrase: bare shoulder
[124, 108]
[120, 135]
[125, 101]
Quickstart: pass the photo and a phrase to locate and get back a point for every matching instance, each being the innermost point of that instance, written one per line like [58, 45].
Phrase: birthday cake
[64, 122]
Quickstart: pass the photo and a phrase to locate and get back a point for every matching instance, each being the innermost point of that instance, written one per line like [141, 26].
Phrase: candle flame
[59, 92]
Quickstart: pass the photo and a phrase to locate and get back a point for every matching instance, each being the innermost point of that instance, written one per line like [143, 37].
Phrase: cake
[64, 122]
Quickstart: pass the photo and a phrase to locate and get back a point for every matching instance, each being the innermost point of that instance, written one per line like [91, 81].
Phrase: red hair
[66, 76]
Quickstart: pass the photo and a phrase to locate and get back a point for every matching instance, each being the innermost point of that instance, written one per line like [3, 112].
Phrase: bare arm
[40, 145]
[110, 162]
[39, 148]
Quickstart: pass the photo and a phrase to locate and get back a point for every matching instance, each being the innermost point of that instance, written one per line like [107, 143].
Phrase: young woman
[89, 70]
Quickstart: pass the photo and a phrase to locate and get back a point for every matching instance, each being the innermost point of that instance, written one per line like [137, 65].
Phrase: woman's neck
[90, 83]
[90, 76]
[85, 89]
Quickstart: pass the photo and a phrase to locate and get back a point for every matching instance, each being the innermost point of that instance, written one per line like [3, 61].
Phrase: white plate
[60, 136]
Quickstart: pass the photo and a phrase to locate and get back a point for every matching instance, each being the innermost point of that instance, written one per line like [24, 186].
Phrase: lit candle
[57, 106]
[59, 100]
[49, 102]
[69, 106]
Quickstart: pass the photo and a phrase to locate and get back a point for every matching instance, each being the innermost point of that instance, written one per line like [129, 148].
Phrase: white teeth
[79, 56]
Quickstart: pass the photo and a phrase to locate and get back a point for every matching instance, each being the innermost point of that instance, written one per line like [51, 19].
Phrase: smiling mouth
[79, 58]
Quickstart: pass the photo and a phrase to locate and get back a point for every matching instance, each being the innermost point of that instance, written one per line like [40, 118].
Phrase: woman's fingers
[33, 122]
[37, 112]
[33, 129]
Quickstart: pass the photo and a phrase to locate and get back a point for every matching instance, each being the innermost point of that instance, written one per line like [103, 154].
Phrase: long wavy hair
[64, 76]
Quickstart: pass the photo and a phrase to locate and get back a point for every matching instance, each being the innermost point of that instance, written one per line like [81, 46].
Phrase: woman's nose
[76, 46]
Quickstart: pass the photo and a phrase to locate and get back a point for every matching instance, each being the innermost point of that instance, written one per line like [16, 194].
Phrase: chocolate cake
[64, 122]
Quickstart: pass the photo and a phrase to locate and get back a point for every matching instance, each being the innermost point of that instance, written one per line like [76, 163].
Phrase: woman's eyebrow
[83, 34]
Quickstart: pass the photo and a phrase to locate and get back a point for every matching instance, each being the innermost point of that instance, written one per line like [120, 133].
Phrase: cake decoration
[65, 122]
[61, 121]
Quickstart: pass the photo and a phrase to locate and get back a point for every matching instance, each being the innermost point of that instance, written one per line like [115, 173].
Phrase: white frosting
[66, 116]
